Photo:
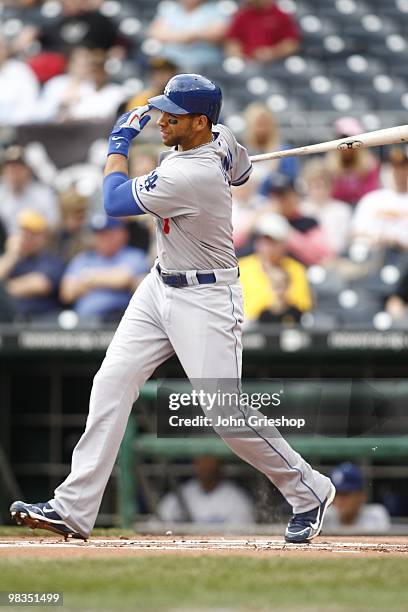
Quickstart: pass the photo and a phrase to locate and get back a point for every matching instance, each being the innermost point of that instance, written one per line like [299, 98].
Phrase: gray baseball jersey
[190, 196]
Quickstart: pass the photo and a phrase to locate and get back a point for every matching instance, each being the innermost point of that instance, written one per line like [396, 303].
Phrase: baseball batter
[190, 304]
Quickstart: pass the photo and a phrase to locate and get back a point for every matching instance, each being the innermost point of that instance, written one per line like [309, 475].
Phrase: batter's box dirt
[363, 546]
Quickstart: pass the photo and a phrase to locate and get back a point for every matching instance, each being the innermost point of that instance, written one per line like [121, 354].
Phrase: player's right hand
[127, 127]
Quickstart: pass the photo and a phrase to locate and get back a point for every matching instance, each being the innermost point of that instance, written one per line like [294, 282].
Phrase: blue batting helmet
[190, 93]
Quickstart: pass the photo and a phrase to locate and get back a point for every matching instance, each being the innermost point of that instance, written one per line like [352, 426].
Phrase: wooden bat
[377, 138]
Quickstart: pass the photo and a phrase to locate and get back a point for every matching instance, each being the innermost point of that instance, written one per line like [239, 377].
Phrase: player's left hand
[127, 127]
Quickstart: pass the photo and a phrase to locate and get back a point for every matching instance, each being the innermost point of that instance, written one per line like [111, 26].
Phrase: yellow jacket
[258, 292]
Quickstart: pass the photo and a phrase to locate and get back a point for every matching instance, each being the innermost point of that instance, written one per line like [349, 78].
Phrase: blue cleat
[42, 516]
[307, 525]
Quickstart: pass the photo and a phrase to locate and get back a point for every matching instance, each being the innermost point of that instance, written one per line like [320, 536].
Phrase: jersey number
[166, 225]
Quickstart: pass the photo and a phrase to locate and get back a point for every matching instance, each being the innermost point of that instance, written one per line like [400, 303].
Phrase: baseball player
[190, 304]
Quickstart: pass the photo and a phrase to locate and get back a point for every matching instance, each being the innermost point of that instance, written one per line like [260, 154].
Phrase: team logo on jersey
[226, 166]
[150, 181]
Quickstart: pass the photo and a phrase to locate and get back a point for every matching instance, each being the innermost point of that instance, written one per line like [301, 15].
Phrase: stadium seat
[295, 68]
[396, 9]
[147, 9]
[343, 13]
[319, 320]
[353, 304]
[385, 92]
[337, 45]
[355, 68]
[369, 29]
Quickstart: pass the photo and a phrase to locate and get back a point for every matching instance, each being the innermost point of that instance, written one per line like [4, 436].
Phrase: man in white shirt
[19, 89]
[350, 510]
[207, 498]
[381, 216]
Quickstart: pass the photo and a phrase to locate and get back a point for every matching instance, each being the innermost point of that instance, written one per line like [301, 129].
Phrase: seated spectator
[261, 31]
[80, 24]
[19, 88]
[190, 31]
[355, 171]
[275, 286]
[29, 271]
[381, 216]
[208, 498]
[62, 94]
[106, 97]
[333, 216]
[349, 509]
[100, 282]
[72, 234]
[307, 241]
[160, 71]
[19, 191]
[262, 136]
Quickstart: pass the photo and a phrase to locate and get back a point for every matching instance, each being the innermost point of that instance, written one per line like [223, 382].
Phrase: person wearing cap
[381, 216]
[190, 32]
[355, 171]
[99, 283]
[72, 234]
[28, 270]
[19, 190]
[307, 241]
[275, 286]
[350, 510]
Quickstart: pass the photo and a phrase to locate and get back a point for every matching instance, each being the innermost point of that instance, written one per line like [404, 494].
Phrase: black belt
[179, 279]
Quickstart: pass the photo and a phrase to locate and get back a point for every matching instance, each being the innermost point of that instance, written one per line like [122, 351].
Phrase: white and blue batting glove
[127, 127]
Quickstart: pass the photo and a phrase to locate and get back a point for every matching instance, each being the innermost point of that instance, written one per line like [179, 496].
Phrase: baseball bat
[377, 138]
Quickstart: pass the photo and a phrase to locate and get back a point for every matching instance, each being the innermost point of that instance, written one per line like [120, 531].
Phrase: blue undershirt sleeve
[118, 197]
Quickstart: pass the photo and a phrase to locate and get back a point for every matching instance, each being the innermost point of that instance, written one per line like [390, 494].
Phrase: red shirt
[264, 27]
[350, 186]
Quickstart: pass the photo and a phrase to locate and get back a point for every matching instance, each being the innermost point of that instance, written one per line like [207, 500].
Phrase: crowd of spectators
[59, 66]
[295, 223]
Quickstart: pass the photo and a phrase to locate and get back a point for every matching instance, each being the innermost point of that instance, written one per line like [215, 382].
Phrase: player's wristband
[118, 144]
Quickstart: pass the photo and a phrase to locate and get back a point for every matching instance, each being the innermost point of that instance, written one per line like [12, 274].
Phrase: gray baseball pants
[202, 325]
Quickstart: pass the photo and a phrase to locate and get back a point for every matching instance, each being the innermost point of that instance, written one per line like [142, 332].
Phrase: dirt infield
[49, 547]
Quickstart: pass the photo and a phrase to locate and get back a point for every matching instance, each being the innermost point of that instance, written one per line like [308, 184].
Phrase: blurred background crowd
[322, 241]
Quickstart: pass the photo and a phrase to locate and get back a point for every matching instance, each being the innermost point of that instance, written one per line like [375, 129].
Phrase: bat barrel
[376, 138]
